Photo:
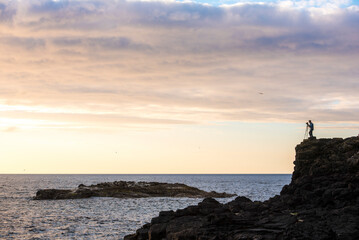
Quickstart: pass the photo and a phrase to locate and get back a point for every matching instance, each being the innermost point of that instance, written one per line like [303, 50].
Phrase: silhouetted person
[311, 128]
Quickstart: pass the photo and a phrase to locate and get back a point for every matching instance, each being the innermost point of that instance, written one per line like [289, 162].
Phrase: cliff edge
[321, 202]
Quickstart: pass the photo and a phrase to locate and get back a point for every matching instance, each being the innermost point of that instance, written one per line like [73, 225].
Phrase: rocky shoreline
[123, 189]
[321, 202]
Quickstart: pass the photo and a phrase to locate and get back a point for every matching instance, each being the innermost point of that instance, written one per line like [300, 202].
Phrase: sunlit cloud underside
[146, 64]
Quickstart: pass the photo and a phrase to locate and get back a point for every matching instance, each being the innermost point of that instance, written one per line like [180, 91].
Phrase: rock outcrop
[321, 202]
[122, 189]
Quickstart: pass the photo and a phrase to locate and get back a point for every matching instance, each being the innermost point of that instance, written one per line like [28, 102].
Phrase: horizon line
[144, 173]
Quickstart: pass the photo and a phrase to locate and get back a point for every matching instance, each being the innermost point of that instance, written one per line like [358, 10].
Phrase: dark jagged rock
[122, 189]
[321, 203]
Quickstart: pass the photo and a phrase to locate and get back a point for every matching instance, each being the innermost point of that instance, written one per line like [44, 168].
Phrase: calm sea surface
[107, 218]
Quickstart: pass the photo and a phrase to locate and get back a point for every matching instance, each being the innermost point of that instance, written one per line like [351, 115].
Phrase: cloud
[102, 43]
[6, 11]
[10, 129]
[23, 42]
[178, 63]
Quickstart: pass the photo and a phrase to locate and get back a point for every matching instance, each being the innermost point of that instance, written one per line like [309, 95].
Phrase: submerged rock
[321, 202]
[123, 189]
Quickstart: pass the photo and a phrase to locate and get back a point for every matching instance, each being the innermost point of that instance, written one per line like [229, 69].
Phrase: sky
[123, 87]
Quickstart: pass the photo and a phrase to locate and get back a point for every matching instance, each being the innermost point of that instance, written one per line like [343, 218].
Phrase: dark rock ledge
[122, 189]
[321, 203]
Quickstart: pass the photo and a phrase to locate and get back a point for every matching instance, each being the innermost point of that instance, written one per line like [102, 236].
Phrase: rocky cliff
[321, 202]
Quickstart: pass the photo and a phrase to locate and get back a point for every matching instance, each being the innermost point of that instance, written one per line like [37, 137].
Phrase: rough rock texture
[321, 202]
[122, 189]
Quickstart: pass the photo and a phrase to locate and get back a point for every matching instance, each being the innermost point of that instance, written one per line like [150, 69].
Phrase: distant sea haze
[108, 218]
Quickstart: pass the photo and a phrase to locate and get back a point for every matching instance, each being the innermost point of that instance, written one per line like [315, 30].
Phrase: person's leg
[311, 133]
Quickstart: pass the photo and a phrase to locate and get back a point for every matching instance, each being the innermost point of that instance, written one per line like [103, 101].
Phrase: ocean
[109, 218]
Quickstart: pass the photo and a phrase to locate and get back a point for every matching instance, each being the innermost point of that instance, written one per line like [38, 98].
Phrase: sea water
[108, 218]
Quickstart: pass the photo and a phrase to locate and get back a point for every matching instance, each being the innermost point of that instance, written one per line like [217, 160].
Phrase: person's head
[310, 121]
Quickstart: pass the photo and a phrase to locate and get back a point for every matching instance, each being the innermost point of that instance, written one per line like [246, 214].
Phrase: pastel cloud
[93, 62]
